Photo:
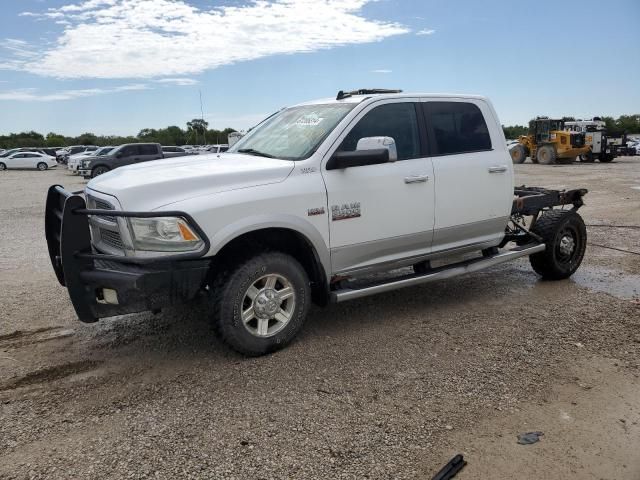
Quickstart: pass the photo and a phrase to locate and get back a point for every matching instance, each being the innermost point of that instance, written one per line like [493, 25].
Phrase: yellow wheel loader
[547, 142]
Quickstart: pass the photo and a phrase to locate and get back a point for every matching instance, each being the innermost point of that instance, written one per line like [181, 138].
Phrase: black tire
[546, 155]
[565, 236]
[230, 298]
[99, 170]
[518, 153]
[42, 166]
[2, 166]
[605, 158]
[587, 157]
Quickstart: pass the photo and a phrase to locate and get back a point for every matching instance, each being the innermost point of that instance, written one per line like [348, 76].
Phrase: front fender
[264, 221]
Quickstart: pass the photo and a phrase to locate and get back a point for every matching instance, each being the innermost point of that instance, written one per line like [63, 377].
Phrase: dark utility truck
[126, 154]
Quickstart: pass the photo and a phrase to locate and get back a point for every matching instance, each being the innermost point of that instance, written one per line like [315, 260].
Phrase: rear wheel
[605, 158]
[546, 155]
[518, 153]
[260, 304]
[2, 166]
[99, 170]
[41, 166]
[565, 237]
[587, 157]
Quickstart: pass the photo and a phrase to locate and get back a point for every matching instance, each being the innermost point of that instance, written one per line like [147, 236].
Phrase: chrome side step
[441, 273]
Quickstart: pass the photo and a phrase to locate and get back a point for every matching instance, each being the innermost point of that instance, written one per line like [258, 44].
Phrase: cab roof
[361, 95]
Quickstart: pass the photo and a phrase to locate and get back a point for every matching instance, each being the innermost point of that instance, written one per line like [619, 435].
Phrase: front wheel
[41, 166]
[260, 304]
[97, 171]
[565, 236]
[2, 166]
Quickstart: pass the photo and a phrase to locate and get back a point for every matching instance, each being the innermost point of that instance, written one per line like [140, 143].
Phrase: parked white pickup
[307, 205]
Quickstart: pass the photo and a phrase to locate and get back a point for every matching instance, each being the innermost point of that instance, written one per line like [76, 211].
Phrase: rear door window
[457, 127]
[148, 149]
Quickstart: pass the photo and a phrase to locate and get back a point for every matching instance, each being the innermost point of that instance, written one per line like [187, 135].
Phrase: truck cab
[127, 154]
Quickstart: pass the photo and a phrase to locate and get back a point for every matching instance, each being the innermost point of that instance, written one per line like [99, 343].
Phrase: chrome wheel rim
[268, 305]
[42, 166]
[567, 245]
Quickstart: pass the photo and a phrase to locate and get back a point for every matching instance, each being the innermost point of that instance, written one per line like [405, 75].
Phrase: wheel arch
[293, 236]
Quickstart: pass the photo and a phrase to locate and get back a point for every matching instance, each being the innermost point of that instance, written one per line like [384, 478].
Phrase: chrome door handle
[498, 169]
[416, 178]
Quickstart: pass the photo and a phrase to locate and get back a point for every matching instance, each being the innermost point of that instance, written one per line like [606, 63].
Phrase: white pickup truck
[312, 204]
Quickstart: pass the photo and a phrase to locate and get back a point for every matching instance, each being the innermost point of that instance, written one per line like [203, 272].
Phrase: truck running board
[448, 271]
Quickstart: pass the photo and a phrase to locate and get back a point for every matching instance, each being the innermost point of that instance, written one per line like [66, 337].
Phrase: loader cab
[544, 128]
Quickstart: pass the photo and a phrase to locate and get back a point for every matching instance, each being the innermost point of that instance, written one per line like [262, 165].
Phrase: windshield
[9, 152]
[102, 151]
[294, 133]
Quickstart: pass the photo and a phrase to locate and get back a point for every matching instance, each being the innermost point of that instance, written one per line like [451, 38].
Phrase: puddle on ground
[615, 283]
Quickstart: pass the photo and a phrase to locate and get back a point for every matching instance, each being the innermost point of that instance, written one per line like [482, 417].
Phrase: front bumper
[101, 285]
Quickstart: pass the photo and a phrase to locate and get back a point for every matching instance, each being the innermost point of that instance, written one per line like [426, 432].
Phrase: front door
[381, 214]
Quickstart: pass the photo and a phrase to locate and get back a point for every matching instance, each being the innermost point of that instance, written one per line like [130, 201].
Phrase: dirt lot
[385, 387]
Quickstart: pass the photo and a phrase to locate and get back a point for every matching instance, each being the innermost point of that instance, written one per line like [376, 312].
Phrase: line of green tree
[196, 133]
[615, 126]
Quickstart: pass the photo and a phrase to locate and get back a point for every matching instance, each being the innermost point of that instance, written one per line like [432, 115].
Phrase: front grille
[111, 238]
[102, 205]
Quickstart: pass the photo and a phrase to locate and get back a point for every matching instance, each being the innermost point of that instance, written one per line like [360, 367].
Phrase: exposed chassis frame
[531, 201]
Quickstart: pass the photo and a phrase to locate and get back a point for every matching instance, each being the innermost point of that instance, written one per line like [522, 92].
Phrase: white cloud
[33, 94]
[183, 82]
[425, 31]
[160, 38]
[381, 70]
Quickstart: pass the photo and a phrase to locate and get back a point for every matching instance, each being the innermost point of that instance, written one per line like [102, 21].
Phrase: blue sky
[117, 66]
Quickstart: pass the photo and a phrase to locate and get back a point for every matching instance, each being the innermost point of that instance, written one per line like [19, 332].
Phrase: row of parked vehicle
[91, 160]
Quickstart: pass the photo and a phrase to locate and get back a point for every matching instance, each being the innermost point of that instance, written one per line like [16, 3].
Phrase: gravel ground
[384, 387]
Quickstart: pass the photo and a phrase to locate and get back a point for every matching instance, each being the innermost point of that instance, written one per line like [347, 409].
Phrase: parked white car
[36, 160]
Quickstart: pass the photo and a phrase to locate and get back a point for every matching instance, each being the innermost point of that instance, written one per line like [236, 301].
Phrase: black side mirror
[358, 158]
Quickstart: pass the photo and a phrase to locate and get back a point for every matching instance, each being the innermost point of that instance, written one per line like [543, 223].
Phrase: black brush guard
[141, 284]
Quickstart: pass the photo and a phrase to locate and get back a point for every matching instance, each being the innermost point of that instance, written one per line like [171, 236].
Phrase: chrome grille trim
[105, 229]
[99, 204]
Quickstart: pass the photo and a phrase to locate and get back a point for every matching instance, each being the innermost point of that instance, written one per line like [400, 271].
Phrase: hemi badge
[315, 211]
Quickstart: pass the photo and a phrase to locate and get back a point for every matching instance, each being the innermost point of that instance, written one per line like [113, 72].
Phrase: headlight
[164, 234]
[86, 163]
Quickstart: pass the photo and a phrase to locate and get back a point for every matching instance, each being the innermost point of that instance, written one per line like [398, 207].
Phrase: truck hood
[151, 185]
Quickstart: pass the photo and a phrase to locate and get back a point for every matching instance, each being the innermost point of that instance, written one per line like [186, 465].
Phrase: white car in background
[35, 160]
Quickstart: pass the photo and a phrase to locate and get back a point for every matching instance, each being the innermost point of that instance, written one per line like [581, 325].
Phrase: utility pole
[204, 129]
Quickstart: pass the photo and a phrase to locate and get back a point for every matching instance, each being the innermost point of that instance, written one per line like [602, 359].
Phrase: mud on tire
[248, 314]
[565, 236]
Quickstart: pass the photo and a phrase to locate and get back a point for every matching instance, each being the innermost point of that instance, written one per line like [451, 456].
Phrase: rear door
[473, 173]
[130, 155]
[149, 152]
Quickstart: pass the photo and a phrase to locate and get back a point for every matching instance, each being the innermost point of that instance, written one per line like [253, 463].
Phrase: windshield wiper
[253, 151]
